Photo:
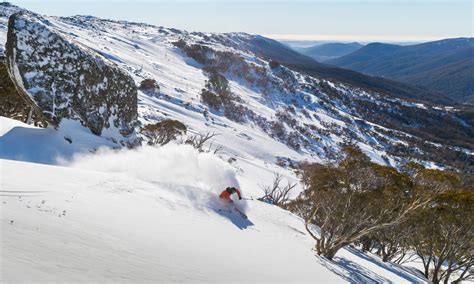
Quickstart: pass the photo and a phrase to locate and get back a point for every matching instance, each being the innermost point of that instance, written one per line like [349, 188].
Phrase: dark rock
[14, 104]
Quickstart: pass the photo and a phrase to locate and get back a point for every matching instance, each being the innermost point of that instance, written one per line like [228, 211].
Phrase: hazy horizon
[303, 20]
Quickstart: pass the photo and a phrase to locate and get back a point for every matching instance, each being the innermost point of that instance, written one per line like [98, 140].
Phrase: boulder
[65, 79]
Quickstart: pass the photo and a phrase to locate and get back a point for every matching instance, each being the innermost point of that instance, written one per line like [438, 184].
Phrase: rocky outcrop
[67, 80]
[14, 104]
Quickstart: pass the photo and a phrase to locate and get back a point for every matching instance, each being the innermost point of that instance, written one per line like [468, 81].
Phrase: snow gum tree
[391, 243]
[354, 198]
[394, 243]
[163, 132]
[443, 237]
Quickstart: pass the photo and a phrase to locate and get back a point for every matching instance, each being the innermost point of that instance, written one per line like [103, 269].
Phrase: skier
[225, 195]
[225, 198]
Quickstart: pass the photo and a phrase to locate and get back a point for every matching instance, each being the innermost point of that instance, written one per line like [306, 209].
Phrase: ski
[241, 213]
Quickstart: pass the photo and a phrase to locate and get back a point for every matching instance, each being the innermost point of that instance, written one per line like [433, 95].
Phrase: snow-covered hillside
[273, 112]
[151, 215]
[149, 52]
[80, 207]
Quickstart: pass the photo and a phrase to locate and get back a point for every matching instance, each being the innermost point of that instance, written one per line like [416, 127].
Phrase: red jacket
[228, 192]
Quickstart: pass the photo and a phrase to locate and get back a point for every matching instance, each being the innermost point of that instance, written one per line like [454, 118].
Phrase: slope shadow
[236, 219]
[47, 145]
[394, 268]
[32, 145]
[356, 273]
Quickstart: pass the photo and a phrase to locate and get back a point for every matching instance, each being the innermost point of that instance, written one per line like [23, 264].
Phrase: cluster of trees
[429, 124]
[217, 95]
[440, 154]
[209, 57]
[217, 92]
[392, 212]
[295, 139]
[440, 235]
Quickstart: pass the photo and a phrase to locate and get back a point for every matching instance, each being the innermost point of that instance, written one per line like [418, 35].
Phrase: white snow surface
[23, 142]
[151, 215]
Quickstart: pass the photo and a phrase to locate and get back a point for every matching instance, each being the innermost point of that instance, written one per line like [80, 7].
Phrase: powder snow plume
[180, 169]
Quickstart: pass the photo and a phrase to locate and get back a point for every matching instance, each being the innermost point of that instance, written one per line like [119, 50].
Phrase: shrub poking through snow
[163, 132]
[277, 193]
[199, 141]
[274, 64]
[278, 130]
[294, 141]
[149, 86]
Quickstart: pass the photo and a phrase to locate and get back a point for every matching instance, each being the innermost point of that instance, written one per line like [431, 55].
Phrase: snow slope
[19, 141]
[90, 213]
[150, 215]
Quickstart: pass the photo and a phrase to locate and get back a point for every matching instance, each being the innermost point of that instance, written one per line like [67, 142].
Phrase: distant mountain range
[276, 51]
[445, 66]
[327, 51]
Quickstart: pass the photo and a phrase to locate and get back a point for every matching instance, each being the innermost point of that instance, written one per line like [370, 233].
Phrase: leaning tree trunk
[329, 249]
[331, 252]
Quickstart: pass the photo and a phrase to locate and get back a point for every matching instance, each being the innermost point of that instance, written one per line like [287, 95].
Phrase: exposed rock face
[15, 105]
[68, 80]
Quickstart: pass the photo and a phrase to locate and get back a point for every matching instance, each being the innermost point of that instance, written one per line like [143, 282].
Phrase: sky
[336, 20]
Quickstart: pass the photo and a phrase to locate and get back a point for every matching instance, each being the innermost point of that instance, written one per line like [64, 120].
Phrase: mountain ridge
[421, 64]
[326, 51]
[295, 60]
